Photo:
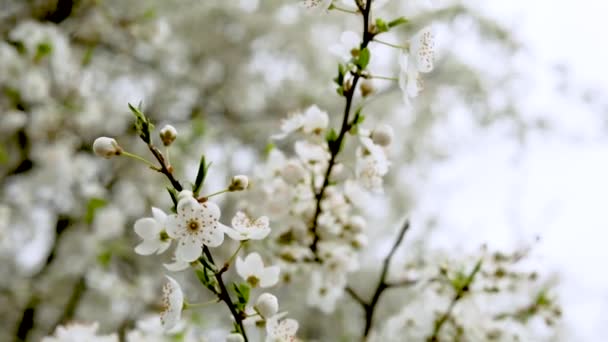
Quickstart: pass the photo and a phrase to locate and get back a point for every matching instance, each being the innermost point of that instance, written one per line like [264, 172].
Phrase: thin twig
[335, 147]
[460, 293]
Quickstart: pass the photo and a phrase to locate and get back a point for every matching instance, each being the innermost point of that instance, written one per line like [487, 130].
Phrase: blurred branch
[460, 293]
[382, 283]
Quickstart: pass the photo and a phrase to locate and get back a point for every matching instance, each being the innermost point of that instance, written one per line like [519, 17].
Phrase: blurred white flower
[372, 164]
[349, 42]
[243, 228]
[317, 6]
[313, 121]
[195, 224]
[252, 270]
[173, 303]
[382, 135]
[419, 59]
[281, 331]
[323, 294]
[77, 332]
[239, 183]
[234, 337]
[152, 231]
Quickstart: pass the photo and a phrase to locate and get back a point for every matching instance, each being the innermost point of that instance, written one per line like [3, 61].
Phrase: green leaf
[341, 72]
[104, 258]
[203, 167]
[43, 49]
[242, 291]
[92, 206]
[381, 25]
[331, 136]
[364, 57]
[143, 125]
[173, 195]
[3, 156]
[397, 22]
[269, 147]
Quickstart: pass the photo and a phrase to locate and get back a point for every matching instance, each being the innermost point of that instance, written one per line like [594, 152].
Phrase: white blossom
[317, 6]
[152, 231]
[235, 337]
[243, 228]
[419, 59]
[349, 42]
[252, 270]
[278, 330]
[77, 332]
[313, 121]
[323, 293]
[173, 303]
[195, 224]
[372, 165]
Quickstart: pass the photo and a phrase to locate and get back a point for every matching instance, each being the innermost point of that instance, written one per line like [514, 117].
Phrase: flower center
[253, 281]
[193, 225]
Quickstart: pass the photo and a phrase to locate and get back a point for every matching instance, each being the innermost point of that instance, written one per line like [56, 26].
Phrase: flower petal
[147, 228]
[241, 268]
[233, 234]
[159, 215]
[177, 266]
[186, 206]
[163, 246]
[270, 276]
[188, 249]
[172, 224]
[254, 262]
[173, 302]
[146, 247]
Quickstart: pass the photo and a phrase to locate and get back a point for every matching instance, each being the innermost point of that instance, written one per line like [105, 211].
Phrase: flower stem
[388, 78]
[346, 10]
[139, 158]
[402, 47]
[216, 193]
[229, 261]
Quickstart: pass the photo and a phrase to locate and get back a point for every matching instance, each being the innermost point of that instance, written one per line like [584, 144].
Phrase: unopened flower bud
[267, 305]
[168, 135]
[234, 337]
[239, 183]
[367, 88]
[106, 147]
[382, 135]
[360, 241]
[357, 224]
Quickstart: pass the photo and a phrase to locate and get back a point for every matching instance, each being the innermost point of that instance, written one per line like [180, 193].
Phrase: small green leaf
[364, 57]
[331, 136]
[203, 167]
[43, 49]
[143, 125]
[242, 291]
[381, 25]
[104, 258]
[92, 206]
[269, 147]
[397, 22]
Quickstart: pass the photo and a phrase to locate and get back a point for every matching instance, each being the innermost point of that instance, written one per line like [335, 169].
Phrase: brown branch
[336, 145]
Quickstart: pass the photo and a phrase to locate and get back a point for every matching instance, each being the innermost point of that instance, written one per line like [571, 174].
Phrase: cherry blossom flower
[323, 294]
[349, 42]
[152, 231]
[252, 270]
[173, 303]
[76, 332]
[419, 59]
[194, 225]
[278, 330]
[243, 228]
[312, 121]
[317, 6]
[372, 165]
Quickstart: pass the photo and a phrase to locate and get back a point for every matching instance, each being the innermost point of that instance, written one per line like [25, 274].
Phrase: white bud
[168, 135]
[293, 172]
[382, 135]
[106, 147]
[267, 305]
[239, 183]
[357, 224]
[234, 337]
[359, 241]
[183, 194]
